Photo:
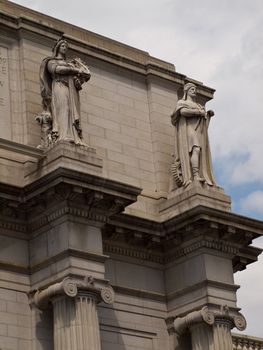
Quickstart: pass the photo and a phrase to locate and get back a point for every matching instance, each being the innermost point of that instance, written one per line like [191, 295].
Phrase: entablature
[200, 228]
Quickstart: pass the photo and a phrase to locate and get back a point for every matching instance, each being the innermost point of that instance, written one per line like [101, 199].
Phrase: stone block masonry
[99, 249]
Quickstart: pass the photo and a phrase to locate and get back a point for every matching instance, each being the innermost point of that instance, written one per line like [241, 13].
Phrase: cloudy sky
[219, 42]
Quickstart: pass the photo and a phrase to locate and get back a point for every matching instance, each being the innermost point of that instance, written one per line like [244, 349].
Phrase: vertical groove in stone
[202, 337]
[62, 323]
[222, 336]
[76, 325]
[55, 316]
[73, 330]
[216, 337]
[199, 336]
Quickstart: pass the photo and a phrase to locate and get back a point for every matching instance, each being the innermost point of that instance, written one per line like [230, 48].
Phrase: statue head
[187, 87]
[62, 45]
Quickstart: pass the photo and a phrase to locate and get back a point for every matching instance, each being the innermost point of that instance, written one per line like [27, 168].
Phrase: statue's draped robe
[190, 132]
[61, 98]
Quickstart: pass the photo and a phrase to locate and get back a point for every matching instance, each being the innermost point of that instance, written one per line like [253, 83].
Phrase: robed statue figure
[192, 152]
[60, 82]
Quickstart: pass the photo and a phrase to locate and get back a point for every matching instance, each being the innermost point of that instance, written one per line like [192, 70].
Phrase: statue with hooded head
[192, 151]
[60, 82]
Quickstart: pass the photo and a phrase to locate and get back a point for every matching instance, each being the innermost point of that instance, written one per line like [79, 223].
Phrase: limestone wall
[125, 107]
[15, 320]
[56, 209]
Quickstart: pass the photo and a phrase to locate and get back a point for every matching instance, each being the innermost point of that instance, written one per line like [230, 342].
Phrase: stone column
[222, 334]
[76, 325]
[202, 337]
[209, 329]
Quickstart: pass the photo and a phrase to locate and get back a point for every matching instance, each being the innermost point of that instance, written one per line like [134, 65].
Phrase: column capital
[195, 317]
[210, 317]
[72, 287]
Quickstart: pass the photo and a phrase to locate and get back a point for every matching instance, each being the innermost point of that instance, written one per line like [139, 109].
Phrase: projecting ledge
[196, 194]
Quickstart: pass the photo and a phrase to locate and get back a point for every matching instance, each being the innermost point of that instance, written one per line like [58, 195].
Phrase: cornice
[24, 270]
[63, 192]
[25, 150]
[199, 228]
[216, 245]
[132, 252]
[66, 210]
[162, 255]
[29, 270]
[143, 332]
[230, 219]
[231, 223]
[203, 284]
[120, 54]
[11, 225]
[122, 194]
[83, 180]
[66, 254]
[139, 293]
[72, 194]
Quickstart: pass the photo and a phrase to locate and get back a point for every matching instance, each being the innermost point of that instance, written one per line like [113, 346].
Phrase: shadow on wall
[43, 337]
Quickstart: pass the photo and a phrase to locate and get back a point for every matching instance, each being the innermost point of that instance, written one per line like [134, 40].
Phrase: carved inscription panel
[5, 117]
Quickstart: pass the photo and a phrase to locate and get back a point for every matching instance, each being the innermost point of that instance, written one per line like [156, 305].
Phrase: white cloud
[253, 202]
[220, 43]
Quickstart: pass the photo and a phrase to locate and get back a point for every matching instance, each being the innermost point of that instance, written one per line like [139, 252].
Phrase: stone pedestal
[195, 194]
[64, 155]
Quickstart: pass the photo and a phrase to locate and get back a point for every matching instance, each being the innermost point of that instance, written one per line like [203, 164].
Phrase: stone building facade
[96, 250]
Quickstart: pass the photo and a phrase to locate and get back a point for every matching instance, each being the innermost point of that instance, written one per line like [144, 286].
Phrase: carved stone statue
[192, 152]
[45, 121]
[60, 82]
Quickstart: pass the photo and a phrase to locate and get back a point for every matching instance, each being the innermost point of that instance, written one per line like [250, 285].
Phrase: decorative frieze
[66, 210]
[170, 256]
[13, 226]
